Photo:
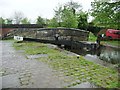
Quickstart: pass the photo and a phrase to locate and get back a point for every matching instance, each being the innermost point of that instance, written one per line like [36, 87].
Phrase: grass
[72, 66]
[92, 37]
[113, 43]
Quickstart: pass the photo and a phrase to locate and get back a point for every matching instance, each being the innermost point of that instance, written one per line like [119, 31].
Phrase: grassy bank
[112, 42]
[79, 68]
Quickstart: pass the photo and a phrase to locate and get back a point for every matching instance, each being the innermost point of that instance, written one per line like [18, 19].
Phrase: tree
[66, 15]
[69, 20]
[106, 13]
[47, 21]
[9, 21]
[82, 20]
[2, 21]
[25, 21]
[74, 6]
[40, 20]
[58, 14]
[17, 17]
[53, 23]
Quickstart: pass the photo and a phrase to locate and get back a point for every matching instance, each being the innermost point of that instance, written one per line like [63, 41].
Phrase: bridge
[74, 38]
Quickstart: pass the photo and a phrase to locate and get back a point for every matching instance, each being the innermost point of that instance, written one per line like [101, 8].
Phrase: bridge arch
[50, 33]
[66, 36]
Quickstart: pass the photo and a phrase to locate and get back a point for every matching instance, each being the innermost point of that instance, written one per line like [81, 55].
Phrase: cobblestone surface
[18, 71]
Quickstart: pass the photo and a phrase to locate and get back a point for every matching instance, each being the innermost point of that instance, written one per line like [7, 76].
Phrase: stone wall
[50, 33]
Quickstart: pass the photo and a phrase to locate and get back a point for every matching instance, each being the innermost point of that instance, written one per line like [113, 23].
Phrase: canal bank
[104, 55]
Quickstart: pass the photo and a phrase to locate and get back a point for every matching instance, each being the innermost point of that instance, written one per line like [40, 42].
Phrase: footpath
[17, 71]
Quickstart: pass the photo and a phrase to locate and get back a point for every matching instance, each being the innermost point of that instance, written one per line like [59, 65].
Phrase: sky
[33, 8]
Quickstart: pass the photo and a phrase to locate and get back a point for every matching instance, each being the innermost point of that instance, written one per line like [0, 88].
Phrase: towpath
[17, 71]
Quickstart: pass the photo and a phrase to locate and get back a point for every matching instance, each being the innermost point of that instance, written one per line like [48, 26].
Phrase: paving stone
[25, 79]
[28, 75]
[10, 81]
[23, 73]
[25, 82]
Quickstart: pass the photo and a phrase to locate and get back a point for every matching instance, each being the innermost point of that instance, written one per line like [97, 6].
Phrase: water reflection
[105, 53]
[109, 54]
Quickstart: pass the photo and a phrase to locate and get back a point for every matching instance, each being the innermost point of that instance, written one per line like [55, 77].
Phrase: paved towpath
[19, 72]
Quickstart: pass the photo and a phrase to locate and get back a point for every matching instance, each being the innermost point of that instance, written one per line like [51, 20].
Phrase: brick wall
[4, 31]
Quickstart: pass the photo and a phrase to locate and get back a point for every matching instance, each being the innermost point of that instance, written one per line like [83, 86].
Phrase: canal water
[105, 55]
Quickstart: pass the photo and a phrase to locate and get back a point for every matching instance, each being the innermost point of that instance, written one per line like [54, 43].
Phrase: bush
[92, 37]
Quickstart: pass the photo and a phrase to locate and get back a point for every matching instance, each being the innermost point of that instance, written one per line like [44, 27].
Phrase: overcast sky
[34, 8]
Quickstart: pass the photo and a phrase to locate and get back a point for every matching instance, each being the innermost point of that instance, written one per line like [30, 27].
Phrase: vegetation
[106, 13]
[9, 21]
[53, 23]
[71, 21]
[70, 15]
[25, 21]
[92, 37]
[40, 20]
[82, 20]
[18, 16]
[111, 42]
[2, 21]
[72, 66]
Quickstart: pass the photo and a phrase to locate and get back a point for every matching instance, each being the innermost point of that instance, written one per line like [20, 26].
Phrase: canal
[105, 55]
